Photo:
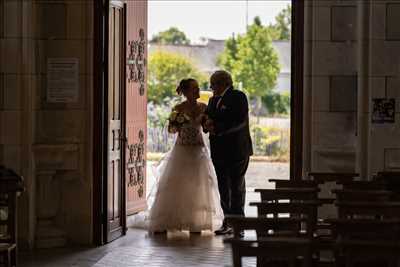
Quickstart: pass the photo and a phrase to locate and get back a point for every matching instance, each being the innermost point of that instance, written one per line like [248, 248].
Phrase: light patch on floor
[170, 257]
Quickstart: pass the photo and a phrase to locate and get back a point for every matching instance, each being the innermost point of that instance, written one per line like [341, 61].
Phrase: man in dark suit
[230, 141]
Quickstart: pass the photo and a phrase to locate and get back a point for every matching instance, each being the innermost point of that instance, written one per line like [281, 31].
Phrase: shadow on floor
[138, 248]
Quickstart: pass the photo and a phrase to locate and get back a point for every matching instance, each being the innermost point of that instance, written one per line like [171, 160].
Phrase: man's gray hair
[222, 77]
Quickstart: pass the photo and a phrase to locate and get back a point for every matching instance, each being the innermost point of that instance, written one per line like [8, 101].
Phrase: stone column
[30, 74]
[363, 88]
[307, 97]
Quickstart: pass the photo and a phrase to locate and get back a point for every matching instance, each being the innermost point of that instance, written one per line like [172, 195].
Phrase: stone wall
[330, 85]
[48, 141]
[384, 82]
[352, 66]
[352, 61]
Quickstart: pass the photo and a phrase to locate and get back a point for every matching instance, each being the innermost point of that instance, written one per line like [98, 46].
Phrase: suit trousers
[232, 185]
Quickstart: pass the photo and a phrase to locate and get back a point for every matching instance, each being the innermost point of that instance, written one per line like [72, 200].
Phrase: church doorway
[120, 130]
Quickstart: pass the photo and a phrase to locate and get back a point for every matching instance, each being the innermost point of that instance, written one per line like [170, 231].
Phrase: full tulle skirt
[186, 192]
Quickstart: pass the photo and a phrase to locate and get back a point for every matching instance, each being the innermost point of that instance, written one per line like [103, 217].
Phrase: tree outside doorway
[255, 62]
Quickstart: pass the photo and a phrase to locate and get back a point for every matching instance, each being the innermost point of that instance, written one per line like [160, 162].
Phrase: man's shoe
[195, 232]
[224, 230]
[159, 232]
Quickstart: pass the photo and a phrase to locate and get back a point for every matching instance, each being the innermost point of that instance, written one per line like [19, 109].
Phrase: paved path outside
[257, 175]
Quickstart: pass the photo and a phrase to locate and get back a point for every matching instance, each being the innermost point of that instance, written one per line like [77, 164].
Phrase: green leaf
[252, 60]
[171, 36]
[165, 71]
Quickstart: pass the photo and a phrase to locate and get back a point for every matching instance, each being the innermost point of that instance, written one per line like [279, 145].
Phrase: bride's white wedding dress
[187, 195]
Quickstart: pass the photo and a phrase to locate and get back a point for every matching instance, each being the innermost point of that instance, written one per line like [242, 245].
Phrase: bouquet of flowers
[176, 121]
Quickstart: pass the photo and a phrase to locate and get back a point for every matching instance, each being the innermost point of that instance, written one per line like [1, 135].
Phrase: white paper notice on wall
[62, 80]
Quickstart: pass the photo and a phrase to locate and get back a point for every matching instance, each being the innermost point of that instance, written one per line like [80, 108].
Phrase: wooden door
[116, 214]
[136, 105]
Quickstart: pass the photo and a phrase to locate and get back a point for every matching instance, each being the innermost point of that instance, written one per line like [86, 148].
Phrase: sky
[215, 19]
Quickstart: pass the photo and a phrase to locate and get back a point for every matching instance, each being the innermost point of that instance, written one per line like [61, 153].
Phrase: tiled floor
[139, 249]
[178, 250]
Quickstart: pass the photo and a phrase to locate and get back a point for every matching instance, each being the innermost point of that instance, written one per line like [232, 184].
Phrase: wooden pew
[269, 245]
[300, 191]
[8, 227]
[391, 180]
[305, 209]
[279, 183]
[285, 194]
[10, 187]
[270, 251]
[368, 209]
[343, 195]
[366, 230]
[365, 241]
[363, 185]
[301, 186]
[291, 236]
[264, 227]
[323, 177]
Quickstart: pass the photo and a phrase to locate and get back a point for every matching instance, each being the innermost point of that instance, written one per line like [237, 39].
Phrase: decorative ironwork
[117, 137]
[136, 164]
[137, 62]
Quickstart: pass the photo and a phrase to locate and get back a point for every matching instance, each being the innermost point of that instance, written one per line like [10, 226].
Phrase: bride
[187, 195]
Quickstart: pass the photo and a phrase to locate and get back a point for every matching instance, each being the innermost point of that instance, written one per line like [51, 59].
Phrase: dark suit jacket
[232, 141]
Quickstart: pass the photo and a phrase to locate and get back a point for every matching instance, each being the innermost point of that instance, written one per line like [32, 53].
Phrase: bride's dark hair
[184, 85]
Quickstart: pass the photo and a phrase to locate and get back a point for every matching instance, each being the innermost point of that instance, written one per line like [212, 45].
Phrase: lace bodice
[191, 133]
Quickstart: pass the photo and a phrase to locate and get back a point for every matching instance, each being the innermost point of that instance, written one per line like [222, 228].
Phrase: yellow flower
[173, 129]
[173, 116]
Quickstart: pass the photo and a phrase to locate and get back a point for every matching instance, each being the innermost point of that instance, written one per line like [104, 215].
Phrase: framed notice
[383, 110]
[62, 80]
